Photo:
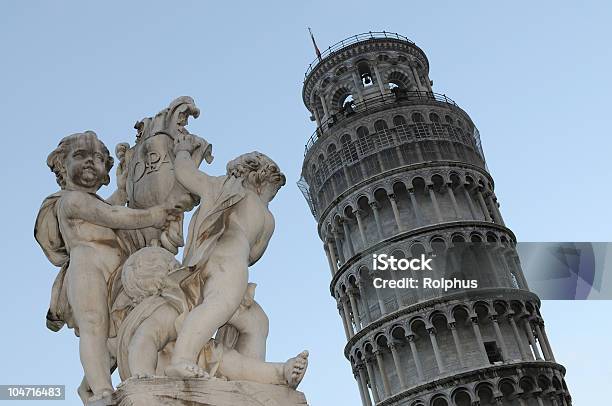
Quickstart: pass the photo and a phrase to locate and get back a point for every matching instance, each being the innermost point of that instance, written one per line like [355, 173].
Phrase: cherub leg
[222, 294]
[87, 297]
[236, 366]
[84, 391]
[253, 325]
[151, 337]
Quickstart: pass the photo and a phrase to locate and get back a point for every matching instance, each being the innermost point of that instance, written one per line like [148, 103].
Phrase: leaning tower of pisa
[395, 168]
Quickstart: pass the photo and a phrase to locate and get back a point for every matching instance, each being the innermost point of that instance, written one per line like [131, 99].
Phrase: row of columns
[341, 241]
[376, 360]
[457, 150]
[356, 307]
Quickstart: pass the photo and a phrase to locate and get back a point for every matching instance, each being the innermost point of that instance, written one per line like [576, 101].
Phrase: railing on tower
[352, 40]
[398, 96]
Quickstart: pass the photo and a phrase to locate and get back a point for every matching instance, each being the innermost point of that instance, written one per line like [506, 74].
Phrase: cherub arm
[186, 170]
[119, 196]
[260, 247]
[86, 207]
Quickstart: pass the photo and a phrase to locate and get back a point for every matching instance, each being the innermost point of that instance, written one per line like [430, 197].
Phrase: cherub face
[86, 164]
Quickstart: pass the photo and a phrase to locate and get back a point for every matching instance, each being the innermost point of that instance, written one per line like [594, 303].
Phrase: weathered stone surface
[199, 392]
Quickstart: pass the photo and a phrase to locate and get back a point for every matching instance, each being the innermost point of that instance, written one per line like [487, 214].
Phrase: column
[496, 208]
[358, 85]
[453, 328]
[347, 237]
[534, 346]
[396, 214]
[343, 317]
[396, 290]
[354, 308]
[436, 349]
[451, 193]
[468, 197]
[374, 206]
[365, 397]
[339, 246]
[324, 107]
[545, 336]
[398, 364]
[332, 256]
[364, 385]
[517, 337]
[316, 116]
[347, 316]
[545, 348]
[415, 356]
[500, 338]
[479, 340]
[364, 301]
[372, 377]
[379, 80]
[358, 213]
[381, 370]
[381, 303]
[432, 195]
[493, 207]
[415, 207]
[329, 260]
[483, 205]
[416, 77]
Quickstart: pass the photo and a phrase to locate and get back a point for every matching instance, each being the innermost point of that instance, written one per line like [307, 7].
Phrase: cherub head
[258, 172]
[81, 162]
[145, 272]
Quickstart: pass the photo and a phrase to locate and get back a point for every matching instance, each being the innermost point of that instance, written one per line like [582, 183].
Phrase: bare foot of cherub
[295, 368]
[104, 394]
[186, 369]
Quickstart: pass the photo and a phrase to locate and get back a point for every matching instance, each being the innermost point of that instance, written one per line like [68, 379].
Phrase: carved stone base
[199, 392]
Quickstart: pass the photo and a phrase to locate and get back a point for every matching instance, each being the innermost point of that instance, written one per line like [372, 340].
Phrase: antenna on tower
[314, 43]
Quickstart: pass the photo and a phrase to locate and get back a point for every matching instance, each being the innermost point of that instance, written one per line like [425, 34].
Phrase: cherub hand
[163, 216]
[185, 142]
[122, 172]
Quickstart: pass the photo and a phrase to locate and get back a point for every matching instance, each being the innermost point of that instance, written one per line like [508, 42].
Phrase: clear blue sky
[534, 76]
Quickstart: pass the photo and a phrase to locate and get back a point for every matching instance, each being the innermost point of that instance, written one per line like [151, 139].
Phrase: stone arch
[399, 120]
[340, 97]
[400, 79]
[507, 387]
[527, 384]
[543, 382]
[380, 125]
[414, 322]
[461, 397]
[484, 392]
[439, 400]
[397, 331]
[500, 307]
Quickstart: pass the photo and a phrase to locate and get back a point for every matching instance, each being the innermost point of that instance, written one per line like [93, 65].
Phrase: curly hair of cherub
[57, 158]
[256, 168]
[144, 273]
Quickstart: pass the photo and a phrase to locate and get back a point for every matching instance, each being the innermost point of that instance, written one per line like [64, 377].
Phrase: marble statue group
[134, 306]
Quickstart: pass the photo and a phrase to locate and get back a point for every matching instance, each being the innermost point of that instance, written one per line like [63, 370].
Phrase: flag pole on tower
[314, 43]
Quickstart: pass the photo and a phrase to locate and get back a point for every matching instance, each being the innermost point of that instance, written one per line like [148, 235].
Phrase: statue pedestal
[165, 391]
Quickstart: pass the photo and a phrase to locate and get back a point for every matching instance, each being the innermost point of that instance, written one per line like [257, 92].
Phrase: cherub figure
[229, 232]
[147, 335]
[76, 230]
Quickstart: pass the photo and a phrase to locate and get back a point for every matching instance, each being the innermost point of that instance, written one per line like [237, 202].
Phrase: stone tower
[394, 168]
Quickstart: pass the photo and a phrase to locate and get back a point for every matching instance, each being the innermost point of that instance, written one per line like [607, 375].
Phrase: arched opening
[365, 73]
